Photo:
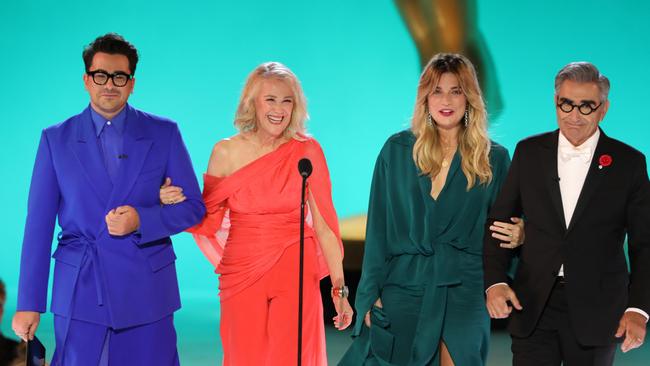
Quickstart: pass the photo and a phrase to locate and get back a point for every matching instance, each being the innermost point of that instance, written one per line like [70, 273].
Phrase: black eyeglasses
[100, 77]
[585, 109]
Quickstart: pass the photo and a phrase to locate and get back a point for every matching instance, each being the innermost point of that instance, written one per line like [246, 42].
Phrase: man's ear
[86, 78]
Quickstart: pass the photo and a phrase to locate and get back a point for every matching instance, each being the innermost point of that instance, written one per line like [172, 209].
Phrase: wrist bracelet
[342, 291]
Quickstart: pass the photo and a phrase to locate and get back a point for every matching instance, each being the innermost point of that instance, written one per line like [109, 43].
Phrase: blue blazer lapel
[87, 151]
[136, 148]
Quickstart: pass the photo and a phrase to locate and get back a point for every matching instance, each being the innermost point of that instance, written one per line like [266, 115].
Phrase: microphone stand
[305, 169]
[302, 259]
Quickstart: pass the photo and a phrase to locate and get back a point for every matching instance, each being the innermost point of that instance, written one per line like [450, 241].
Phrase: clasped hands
[122, 220]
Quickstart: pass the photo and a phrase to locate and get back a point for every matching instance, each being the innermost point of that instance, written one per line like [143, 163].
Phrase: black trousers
[553, 341]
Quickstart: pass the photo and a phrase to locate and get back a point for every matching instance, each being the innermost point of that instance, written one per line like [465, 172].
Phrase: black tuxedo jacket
[614, 201]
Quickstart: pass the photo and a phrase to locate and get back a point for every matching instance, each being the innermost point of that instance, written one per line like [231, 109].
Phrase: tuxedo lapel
[551, 178]
[87, 151]
[592, 181]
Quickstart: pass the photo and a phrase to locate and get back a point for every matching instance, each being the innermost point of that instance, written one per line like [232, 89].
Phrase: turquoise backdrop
[359, 70]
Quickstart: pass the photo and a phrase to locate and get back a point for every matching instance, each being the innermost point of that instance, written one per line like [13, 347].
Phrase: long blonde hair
[473, 140]
[246, 116]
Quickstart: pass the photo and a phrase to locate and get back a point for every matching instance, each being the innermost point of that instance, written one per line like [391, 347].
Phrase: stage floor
[197, 325]
[338, 342]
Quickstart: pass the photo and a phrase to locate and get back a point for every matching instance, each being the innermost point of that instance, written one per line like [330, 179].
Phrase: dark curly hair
[113, 44]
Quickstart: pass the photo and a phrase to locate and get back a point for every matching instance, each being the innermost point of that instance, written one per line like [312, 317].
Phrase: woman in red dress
[252, 192]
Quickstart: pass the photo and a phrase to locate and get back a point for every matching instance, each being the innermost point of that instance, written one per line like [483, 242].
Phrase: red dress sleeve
[211, 233]
[320, 186]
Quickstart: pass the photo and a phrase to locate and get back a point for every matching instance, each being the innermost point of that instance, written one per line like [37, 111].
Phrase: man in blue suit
[99, 172]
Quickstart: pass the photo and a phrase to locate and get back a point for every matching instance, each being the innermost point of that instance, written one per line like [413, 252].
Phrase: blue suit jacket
[115, 281]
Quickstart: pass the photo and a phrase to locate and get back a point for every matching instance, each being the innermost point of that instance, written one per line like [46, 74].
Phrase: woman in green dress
[421, 286]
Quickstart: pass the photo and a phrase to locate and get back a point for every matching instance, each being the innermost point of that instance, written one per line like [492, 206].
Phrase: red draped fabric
[253, 215]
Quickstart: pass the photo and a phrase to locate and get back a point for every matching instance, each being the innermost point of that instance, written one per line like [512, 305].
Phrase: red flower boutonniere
[604, 161]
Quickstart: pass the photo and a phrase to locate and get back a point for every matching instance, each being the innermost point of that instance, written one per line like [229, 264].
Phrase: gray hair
[583, 72]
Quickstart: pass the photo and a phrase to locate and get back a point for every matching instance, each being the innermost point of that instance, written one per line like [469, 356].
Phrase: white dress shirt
[572, 168]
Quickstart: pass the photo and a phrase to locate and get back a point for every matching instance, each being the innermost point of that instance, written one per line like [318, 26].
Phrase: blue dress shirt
[110, 133]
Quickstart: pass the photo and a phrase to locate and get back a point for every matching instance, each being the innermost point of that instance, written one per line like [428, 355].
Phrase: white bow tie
[569, 152]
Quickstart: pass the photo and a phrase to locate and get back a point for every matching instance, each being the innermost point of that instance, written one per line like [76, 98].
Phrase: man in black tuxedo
[580, 193]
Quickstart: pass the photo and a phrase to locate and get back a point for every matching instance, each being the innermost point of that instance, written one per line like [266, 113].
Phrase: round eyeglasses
[101, 77]
[585, 109]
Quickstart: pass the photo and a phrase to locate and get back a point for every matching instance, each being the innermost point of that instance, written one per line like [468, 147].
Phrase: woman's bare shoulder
[223, 153]
[229, 146]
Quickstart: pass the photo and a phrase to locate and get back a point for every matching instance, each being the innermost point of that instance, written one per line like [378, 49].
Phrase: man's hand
[25, 324]
[496, 301]
[511, 235]
[632, 325]
[122, 221]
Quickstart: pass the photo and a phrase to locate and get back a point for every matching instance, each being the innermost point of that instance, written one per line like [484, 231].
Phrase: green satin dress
[423, 259]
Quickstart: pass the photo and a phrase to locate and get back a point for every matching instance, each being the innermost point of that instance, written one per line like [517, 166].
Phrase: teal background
[359, 70]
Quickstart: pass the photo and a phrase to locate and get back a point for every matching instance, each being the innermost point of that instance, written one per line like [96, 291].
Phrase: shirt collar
[118, 122]
[590, 143]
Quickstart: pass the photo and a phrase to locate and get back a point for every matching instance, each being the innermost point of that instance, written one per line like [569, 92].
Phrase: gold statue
[451, 26]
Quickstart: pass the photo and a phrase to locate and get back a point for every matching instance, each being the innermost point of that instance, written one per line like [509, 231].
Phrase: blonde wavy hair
[473, 140]
[246, 116]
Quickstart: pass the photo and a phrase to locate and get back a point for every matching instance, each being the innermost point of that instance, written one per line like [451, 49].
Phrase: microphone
[304, 167]
[122, 156]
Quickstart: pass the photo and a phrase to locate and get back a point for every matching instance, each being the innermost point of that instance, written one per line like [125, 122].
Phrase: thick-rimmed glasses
[585, 109]
[100, 77]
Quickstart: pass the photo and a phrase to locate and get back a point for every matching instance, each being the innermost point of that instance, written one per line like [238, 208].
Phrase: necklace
[446, 154]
